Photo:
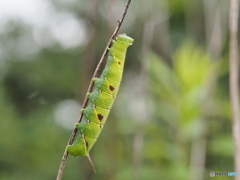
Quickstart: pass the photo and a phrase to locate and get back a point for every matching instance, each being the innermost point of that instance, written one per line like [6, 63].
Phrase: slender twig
[214, 28]
[233, 60]
[198, 155]
[142, 116]
[73, 135]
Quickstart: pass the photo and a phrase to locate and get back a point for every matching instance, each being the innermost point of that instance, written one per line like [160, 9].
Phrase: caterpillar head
[125, 38]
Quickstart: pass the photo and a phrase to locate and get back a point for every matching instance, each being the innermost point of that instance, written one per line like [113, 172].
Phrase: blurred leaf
[222, 146]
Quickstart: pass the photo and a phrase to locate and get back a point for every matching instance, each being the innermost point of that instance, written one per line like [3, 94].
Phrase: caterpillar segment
[101, 99]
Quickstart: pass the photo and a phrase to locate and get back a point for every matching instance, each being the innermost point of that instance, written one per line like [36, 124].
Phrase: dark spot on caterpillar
[100, 126]
[86, 144]
[88, 121]
[100, 117]
[111, 88]
[119, 62]
[94, 106]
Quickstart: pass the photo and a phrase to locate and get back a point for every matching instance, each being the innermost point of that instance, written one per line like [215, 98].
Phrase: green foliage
[185, 87]
[185, 91]
[41, 80]
[187, 98]
[26, 143]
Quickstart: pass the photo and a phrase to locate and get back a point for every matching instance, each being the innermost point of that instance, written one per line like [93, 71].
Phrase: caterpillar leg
[82, 146]
[78, 148]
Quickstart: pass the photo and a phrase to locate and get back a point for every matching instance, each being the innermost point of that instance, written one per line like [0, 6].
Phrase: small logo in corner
[212, 173]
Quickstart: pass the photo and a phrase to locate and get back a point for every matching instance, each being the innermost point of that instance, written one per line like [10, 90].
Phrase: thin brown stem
[142, 117]
[73, 135]
[233, 60]
[214, 29]
[198, 155]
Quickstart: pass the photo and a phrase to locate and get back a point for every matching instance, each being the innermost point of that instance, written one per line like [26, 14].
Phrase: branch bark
[73, 135]
[233, 60]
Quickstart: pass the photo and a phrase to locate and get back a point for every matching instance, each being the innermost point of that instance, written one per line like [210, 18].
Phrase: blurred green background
[171, 119]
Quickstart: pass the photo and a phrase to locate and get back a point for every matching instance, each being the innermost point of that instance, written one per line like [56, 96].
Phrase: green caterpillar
[101, 99]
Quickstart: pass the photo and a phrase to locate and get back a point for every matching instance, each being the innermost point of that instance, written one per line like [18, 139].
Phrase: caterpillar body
[101, 99]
